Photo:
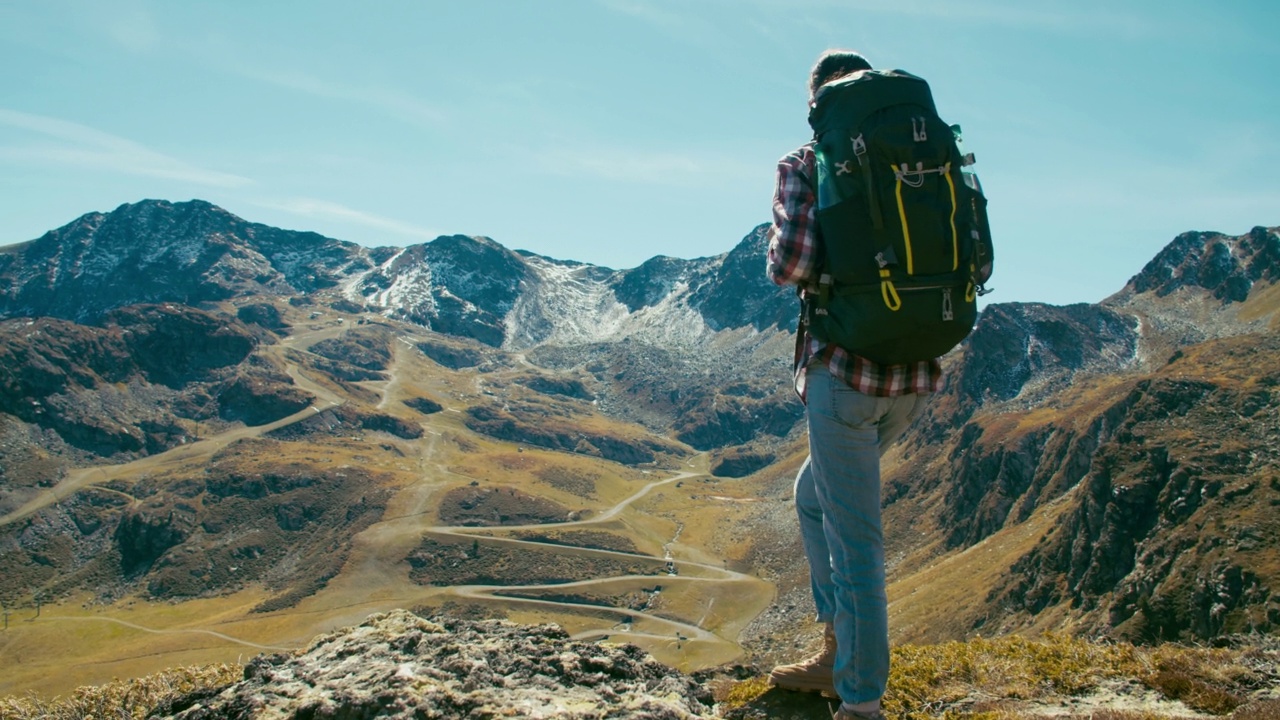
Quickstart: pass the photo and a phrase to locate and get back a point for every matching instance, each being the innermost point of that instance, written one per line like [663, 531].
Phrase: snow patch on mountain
[671, 323]
[569, 304]
[564, 305]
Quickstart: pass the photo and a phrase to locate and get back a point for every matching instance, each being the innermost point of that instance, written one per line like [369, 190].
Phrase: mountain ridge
[459, 285]
[500, 376]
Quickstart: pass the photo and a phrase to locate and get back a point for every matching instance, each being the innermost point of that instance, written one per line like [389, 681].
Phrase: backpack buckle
[859, 148]
[824, 294]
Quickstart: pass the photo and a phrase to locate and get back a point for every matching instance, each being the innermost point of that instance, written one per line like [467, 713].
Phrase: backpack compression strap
[916, 180]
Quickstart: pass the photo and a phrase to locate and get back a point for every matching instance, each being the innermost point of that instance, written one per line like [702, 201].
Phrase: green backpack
[902, 220]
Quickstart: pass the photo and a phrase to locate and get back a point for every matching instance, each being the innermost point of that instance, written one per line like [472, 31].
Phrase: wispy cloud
[330, 211]
[640, 165]
[1064, 16]
[395, 102]
[68, 143]
[676, 20]
[135, 29]
[1070, 18]
[651, 12]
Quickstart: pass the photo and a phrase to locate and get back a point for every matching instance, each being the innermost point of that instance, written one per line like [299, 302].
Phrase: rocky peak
[729, 290]
[1225, 266]
[477, 270]
[455, 284]
[738, 293]
[650, 282]
[157, 251]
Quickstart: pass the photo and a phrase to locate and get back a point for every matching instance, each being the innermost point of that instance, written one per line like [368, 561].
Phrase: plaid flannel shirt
[795, 257]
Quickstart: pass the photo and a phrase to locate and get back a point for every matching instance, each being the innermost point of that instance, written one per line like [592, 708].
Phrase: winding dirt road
[708, 573]
[374, 578]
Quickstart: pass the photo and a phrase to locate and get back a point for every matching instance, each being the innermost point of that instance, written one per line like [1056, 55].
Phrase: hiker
[863, 375]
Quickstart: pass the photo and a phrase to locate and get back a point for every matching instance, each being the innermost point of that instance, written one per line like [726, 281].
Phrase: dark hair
[834, 64]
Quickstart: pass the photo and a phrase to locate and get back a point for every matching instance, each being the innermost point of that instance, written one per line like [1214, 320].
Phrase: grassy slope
[79, 640]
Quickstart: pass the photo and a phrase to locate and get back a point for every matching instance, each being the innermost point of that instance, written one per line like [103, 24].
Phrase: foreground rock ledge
[399, 665]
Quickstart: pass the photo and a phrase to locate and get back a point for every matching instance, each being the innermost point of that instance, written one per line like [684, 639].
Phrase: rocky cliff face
[1171, 527]
[737, 293]
[1150, 416]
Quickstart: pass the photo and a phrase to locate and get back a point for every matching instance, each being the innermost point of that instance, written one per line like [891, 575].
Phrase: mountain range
[200, 410]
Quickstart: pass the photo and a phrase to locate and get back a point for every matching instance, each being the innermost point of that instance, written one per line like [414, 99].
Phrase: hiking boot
[812, 674]
[842, 714]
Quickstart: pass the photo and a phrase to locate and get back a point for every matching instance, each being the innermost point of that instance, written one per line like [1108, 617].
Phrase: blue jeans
[838, 501]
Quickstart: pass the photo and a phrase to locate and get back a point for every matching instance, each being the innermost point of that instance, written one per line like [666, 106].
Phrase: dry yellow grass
[1262, 301]
[950, 592]
[120, 698]
[1010, 678]
[1015, 678]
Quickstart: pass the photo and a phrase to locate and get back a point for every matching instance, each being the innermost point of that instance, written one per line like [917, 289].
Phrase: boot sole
[826, 692]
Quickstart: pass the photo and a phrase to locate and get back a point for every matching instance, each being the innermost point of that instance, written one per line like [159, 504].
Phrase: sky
[612, 131]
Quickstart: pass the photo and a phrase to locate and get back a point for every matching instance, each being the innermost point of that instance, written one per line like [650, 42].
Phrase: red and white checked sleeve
[793, 238]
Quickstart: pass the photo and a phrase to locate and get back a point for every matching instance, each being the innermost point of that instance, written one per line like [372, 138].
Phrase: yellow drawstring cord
[889, 292]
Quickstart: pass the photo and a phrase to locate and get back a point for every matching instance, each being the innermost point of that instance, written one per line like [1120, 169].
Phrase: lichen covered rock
[399, 665]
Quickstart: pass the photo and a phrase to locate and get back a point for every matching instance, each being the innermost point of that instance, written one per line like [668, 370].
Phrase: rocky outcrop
[740, 462]
[451, 355]
[169, 345]
[259, 396]
[738, 415]
[475, 506]
[426, 406]
[510, 423]
[355, 356]
[263, 314]
[144, 534]
[399, 665]
[176, 345]
[345, 419]
[565, 387]
[116, 388]
[456, 561]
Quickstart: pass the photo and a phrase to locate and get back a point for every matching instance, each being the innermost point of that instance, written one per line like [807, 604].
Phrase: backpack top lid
[847, 102]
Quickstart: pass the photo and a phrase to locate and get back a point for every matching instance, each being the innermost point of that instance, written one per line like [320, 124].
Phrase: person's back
[847, 242]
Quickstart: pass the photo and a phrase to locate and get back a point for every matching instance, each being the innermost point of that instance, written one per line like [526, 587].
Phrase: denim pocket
[855, 409]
